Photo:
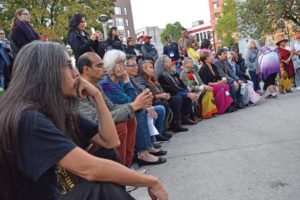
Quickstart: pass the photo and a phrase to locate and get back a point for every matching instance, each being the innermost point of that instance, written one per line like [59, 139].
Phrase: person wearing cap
[286, 66]
[295, 45]
[149, 51]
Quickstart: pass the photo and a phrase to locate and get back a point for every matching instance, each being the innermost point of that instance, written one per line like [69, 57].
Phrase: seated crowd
[121, 103]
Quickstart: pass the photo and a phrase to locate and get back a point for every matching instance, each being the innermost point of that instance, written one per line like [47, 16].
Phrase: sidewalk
[252, 154]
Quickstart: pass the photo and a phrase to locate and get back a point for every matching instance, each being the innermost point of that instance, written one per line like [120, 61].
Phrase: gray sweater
[252, 60]
[120, 113]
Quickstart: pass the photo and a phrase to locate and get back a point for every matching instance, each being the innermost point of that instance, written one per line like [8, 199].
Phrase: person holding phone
[79, 40]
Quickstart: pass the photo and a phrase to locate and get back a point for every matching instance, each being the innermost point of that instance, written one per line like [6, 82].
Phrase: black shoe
[231, 109]
[159, 153]
[179, 129]
[240, 107]
[188, 121]
[161, 138]
[156, 146]
[160, 160]
[167, 135]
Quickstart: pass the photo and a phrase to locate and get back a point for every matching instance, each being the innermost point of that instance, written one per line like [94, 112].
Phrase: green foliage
[173, 29]
[51, 17]
[260, 17]
[227, 24]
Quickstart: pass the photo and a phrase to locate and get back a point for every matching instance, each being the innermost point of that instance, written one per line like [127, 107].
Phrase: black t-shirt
[41, 146]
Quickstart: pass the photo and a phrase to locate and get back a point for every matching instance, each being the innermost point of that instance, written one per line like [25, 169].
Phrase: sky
[161, 12]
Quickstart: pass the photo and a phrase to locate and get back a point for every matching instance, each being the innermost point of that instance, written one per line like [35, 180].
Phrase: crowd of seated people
[121, 103]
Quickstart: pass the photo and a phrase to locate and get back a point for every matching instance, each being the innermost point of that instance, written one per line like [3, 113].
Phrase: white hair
[186, 60]
[159, 66]
[111, 58]
[252, 41]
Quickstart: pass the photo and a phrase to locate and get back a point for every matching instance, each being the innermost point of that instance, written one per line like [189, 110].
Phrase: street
[252, 154]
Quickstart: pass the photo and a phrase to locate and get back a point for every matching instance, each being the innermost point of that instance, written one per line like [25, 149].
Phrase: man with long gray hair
[42, 139]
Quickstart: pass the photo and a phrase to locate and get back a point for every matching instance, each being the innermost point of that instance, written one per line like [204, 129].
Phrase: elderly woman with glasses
[22, 32]
[165, 73]
[79, 40]
[119, 89]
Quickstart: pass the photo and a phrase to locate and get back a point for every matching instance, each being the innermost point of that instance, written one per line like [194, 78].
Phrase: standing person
[130, 49]
[6, 60]
[191, 51]
[22, 32]
[149, 51]
[296, 58]
[286, 66]
[204, 47]
[40, 134]
[171, 50]
[269, 64]
[182, 43]
[113, 41]
[252, 63]
[102, 44]
[79, 40]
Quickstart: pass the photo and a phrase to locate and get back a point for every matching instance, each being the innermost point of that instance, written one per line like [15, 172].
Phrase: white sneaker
[298, 88]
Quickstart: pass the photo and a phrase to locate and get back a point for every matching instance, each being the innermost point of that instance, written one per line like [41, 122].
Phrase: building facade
[123, 19]
[202, 31]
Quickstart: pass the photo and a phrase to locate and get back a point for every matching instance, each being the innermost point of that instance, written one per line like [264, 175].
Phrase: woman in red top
[286, 67]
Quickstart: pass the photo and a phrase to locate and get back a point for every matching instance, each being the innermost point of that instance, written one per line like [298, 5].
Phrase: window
[216, 5]
[118, 11]
[128, 33]
[208, 34]
[201, 36]
[126, 22]
[119, 22]
[125, 11]
[197, 37]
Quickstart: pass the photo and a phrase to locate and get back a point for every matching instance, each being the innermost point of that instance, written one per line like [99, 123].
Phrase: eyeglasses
[134, 65]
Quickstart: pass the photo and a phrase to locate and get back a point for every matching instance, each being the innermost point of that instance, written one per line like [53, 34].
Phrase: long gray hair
[159, 66]
[36, 83]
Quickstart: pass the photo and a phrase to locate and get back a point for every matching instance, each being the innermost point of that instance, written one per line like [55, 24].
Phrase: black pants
[175, 103]
[86, 190]
[270, 80]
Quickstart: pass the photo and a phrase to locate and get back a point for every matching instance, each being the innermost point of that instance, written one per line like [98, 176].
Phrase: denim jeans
[1, 81]
[255, 80]
[159, 121]
[143, 139]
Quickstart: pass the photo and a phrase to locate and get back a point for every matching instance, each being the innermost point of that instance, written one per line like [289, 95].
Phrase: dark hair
[204, 56]
[190, 42]
[205, 43]
[130, 57]
[220, 52]
[75, 20]
[36, 83]
[167, 36]
[233, 48]
[129, 39]
[84, 60]
[110, 36]
[151, 81]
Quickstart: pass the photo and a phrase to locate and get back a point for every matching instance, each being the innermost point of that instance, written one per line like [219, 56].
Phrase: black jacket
[81, 43]
[114, 44]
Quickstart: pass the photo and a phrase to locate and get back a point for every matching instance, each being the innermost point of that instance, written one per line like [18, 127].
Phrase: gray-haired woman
[165, 73]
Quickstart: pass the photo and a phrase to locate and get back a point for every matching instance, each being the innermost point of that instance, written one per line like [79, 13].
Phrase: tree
[227, 24]
[173, 29]
[51, 17]
[260, 17]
